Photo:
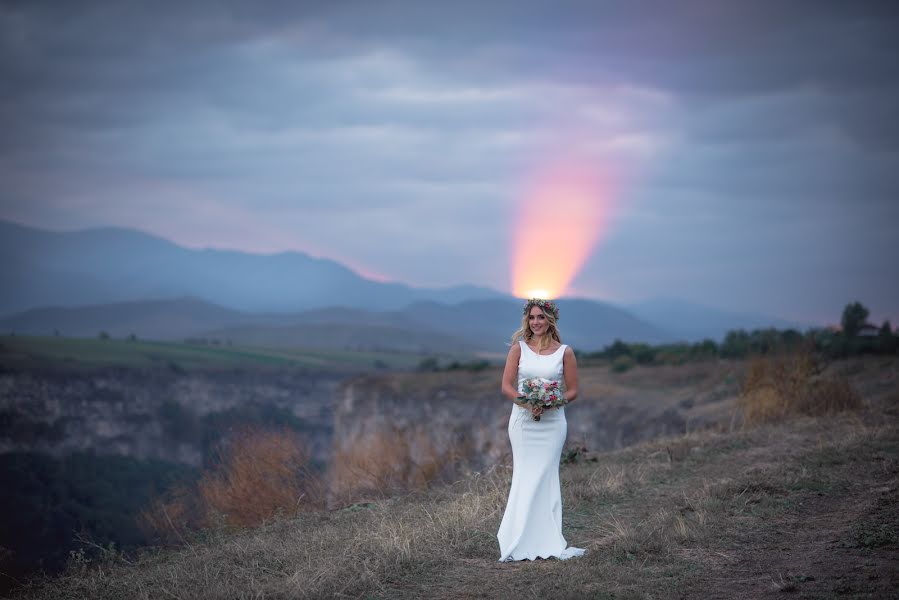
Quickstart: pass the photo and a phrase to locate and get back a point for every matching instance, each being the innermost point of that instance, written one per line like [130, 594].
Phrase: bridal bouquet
[542, 392]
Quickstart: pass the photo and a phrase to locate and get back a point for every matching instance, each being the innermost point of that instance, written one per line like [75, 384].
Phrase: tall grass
[394, 459]
[791, 384]
[260, 474]
[263, 474]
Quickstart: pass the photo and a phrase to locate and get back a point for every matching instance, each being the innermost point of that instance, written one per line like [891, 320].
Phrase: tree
[707, 348]
[429, 364]
[644, 354]
[736, 344]
[854, 316]
[618, 348]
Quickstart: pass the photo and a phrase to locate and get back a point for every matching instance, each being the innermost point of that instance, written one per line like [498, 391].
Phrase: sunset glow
[560, 220]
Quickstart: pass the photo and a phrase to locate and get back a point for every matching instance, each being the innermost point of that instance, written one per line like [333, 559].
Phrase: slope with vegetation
[800, 496]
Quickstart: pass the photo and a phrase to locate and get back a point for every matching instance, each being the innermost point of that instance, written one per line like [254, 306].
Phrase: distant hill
[108, 276]
[104, 277]
[585, 324]
[110, 265]
[475, 325]
[152, 319]
[185, 318]
[344, 336]
[694, 322]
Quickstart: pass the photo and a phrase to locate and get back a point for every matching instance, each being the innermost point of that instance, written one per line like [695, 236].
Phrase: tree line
[855, 336]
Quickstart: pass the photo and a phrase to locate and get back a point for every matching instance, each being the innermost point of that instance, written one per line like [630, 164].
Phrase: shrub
[830, 395]
[622, 363]
[169, 519]
[260, 474]
[429, 364]
[392, 460]
[779, 386]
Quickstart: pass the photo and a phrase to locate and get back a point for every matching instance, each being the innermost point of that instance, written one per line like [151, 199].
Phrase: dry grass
[779, 386]
[260, 475]
[169, 519]
[394, 460]
[652, 527]
[348, 553]
[710, 514]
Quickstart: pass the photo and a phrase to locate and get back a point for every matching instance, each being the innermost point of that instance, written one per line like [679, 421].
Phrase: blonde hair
[524, 332]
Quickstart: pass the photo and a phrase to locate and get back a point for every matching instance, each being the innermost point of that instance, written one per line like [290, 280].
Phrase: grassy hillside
[808, 505]
[56, 352]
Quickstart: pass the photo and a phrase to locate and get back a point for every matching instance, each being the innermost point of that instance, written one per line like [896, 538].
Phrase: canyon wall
[160, 414]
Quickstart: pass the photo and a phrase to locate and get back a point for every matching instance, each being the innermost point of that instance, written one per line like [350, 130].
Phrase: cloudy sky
[750, 150]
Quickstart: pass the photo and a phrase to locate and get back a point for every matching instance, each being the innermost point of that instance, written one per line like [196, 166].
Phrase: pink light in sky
[562, 216]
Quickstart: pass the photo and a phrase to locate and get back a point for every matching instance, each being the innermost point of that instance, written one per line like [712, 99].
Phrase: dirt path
[825, 544]
[825, 547]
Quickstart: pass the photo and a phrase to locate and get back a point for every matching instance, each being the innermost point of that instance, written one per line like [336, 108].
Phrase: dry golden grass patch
[602, 483]
[260, 475]
[660, 531]
[779, 386]
[264, 474]
[394, 460]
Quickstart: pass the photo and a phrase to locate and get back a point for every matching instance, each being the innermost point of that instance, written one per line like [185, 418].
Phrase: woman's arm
[569, 372]
[510, 374]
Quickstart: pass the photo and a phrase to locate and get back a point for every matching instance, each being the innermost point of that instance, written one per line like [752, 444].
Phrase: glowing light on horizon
[560, 221]
[538, 294]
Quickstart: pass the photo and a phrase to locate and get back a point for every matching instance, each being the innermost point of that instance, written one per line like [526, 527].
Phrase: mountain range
[472, 325]
[98, 266]
[128, 282]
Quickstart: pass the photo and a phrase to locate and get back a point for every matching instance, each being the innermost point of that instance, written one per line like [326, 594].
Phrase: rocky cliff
[161, 413]
[462, 414]
[176, 416]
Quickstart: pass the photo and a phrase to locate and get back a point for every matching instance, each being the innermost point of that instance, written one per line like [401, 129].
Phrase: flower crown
[547, 306]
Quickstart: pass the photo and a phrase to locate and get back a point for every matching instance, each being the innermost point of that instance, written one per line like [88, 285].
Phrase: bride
[532, 524]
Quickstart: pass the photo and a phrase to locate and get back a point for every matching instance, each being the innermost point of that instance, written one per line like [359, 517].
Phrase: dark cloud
[748, 131]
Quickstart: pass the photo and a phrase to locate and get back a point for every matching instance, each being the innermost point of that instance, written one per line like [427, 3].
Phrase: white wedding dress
[532, 524]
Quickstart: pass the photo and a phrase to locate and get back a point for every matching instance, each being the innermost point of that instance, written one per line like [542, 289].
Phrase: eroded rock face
[448, 416]
[463, 415]
[157, 414]
[439, 413]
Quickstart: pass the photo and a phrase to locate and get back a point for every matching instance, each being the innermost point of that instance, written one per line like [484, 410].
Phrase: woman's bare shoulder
[515, 349]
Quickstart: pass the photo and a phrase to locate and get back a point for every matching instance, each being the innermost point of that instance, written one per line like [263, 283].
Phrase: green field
[86, 353]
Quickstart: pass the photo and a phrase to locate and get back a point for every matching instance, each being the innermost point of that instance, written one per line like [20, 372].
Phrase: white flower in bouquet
[545, 393]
